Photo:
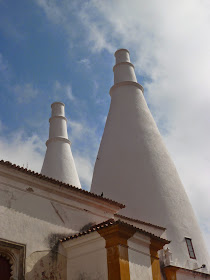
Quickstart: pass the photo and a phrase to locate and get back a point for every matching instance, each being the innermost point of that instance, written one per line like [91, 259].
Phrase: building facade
[142, 227]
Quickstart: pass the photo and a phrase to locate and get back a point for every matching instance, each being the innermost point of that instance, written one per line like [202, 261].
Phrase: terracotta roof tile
[139, 221]
[56, 182]
[109, 223]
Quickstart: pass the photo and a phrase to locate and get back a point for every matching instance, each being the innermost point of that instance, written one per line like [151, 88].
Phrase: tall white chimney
[58, 162]
[133, 166]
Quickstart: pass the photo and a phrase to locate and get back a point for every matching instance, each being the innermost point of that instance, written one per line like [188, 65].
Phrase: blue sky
[42, 63]
[38, 55]
[63, 51]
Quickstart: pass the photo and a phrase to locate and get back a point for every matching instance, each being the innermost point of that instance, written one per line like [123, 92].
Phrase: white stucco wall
[122, 71]
[37, 214]
[133, 166]
[86, 258]
[147, 227]
[139, 258]
[59, 162]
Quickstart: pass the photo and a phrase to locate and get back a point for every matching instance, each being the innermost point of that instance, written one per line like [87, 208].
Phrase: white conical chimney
[134, 167]
[58, 162]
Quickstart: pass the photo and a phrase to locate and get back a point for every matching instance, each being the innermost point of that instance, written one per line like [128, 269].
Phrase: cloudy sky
[62, 50]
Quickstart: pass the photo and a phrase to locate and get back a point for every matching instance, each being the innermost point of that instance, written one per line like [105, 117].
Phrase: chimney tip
[57, 102]
[119, 50]
[122, 55]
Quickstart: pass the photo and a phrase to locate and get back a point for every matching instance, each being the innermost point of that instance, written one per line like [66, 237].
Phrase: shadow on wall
[44, 265]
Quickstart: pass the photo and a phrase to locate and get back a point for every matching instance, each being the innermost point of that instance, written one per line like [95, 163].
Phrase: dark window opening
[190, 248]
[5, 268]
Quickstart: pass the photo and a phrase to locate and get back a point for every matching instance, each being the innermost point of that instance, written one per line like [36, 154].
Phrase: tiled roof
[56, 182]
[110, 223]
[138, 221]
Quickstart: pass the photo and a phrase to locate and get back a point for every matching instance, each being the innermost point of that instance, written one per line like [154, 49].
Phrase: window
[12, 260]
[5, 268]
[190, 248]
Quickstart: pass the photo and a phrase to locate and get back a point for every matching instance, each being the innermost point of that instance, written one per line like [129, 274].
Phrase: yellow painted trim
[156, 274]
[117, 251]
[155, 246]
[170, 272]
[116, 237]
[118, 263]
[124, 262]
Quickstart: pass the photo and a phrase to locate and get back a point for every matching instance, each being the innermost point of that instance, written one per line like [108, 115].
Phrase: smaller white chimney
[58, 162]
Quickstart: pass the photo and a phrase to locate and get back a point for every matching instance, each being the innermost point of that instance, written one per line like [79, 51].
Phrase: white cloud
[69, 93]
[25, 93]
[84, 151]
[85, 62]
[53, 11]
[28, 151]
[57, 86]
[61, 13]
[22, 150]
[62, 92]
[97, 34]
[84, 169]
[104, 119]
[77, 129]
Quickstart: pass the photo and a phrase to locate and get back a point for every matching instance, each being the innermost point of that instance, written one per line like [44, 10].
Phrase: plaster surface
[44, 265]
[86, 258]
[149, 228]
[134, 167]
[139, 258]
[38, 214]
[58, 162]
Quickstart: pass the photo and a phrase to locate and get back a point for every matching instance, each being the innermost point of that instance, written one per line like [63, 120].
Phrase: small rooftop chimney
[58, 162]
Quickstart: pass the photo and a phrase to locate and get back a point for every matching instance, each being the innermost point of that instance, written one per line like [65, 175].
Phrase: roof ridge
[54, 181]
[91, 229]
[140, 221]
[112, 222]
[142, 230]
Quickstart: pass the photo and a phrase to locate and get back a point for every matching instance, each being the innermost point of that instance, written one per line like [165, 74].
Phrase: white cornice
[126, 83]
[123, 63]
[58, 138]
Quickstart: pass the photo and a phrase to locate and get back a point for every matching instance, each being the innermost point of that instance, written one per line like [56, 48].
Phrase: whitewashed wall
[133, 165]
[86, 258]
[139, 257]
[39, 217]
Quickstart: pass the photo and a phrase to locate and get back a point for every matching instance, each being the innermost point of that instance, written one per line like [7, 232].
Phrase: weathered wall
[139, 258]
[45, 265]
[86, 258]
[32, 216]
